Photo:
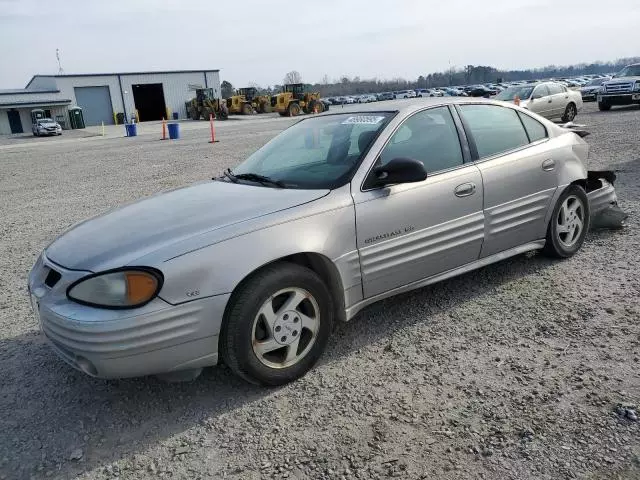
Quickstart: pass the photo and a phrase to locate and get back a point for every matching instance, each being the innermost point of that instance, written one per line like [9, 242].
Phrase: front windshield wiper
[229, 174]
[255, 177]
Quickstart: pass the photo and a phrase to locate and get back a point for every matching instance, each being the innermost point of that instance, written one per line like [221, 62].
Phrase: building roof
[20, 91]
[119, 73]
[41, 103]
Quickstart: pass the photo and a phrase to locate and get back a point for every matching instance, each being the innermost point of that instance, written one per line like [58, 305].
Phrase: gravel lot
[515, 371]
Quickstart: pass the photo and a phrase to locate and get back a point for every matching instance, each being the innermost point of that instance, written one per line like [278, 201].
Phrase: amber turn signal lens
[141, 286]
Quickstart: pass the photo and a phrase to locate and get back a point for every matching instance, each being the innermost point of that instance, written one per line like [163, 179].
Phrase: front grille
[619, 87]
[52, 278]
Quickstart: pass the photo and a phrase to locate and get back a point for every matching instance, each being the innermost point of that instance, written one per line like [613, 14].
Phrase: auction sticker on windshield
[363, 120]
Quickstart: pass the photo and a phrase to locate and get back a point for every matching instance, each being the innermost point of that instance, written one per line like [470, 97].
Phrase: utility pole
[60, 70]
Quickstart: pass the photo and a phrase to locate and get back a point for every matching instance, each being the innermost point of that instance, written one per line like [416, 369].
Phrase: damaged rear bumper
[603, 200]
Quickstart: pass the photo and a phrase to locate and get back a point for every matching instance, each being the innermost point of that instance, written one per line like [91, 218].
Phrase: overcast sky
[259, 41]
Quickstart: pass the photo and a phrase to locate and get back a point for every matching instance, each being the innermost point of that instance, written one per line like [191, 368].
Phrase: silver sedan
[335, 213]
[547, 99]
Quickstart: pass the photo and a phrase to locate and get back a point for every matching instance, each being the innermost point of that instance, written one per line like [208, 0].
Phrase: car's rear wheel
[569, 223]
[570, 113]
[277, 324]
[604, 107]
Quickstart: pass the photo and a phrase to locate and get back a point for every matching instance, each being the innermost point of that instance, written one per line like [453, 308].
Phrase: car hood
[125, 234]
[48, 124]
[623, 80]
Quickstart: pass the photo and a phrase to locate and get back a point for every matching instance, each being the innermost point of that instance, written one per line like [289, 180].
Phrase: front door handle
[548, 165]
[465, 189]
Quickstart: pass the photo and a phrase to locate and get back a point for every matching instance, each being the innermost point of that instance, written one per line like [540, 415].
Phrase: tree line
[469, 75]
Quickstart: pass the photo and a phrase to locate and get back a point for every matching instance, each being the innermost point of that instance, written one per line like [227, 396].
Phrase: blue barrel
[174, 131]
[132, 129]
[175, 115]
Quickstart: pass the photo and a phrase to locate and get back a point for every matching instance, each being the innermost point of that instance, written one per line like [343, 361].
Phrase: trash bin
[132, 129]
[175, 115]
[174, 131]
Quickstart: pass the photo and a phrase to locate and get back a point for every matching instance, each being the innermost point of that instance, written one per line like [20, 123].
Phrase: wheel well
[323, 267]
[327, 271]
[581, 183]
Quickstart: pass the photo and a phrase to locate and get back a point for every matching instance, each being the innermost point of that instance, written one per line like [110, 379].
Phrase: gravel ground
[528, 369]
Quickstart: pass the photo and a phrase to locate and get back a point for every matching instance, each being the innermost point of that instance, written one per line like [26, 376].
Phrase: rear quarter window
[535, 129]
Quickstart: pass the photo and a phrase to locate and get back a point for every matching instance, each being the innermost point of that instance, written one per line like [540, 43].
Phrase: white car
[367, 98]
[46, 126]
[548, 99]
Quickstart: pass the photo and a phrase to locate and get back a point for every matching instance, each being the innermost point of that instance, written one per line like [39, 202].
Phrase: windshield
[45, 120]
[630, 71]
[521, 91]
[595, 82]
[317, 153]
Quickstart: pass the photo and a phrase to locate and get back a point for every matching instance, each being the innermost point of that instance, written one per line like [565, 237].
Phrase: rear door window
[494, 129]
[555, 88]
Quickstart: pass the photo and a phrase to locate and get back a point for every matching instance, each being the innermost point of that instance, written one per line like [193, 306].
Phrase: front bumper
[619, 98]
[154, 339]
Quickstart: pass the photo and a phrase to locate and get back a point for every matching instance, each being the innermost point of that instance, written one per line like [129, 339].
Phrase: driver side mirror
[535, 96]
[398, 170]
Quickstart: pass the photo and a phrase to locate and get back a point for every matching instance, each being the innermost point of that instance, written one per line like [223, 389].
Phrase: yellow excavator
[293, 100]
[205, 104]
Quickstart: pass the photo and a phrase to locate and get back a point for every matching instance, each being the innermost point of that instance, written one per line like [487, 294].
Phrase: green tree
[226, 89]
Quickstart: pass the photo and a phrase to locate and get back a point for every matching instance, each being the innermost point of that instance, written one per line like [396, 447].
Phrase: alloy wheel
[285, 328]
[570, 221]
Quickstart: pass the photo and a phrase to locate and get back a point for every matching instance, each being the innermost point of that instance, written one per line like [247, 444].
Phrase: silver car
[335, 213]
[548, 99]
[46, 126]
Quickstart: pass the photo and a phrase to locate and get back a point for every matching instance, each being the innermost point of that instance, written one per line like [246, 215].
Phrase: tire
[315, 107]
[570, 112]
[244, 328]
[247, 109]
[293, 110]
[194, 114]
[561, 244]
[283, 114]
[604, 107]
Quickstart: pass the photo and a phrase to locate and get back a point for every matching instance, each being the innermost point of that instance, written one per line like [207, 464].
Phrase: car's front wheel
[569, 223]
[277, 324]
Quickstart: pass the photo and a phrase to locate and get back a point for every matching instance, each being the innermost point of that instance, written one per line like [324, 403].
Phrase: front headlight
[124, 288]
[603, 89]
[637, 87]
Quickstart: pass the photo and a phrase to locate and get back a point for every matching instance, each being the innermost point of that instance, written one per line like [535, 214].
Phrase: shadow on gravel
[48, 410]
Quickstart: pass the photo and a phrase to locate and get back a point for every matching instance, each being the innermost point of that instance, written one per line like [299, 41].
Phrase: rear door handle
[465, 189]
[548, 165]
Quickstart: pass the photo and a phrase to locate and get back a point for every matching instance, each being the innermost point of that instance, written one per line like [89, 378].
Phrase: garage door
[96, 105]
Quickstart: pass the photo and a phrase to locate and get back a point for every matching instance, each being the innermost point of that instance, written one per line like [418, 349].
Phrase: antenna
[60, 69]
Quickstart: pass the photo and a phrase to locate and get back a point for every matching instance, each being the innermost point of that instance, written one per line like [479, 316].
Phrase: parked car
[425, 92]
[622, 89]
[590, 91]
[548, 99]
[326, 104]
[404, 94]
[480, 91]
[46, 126]
[367, 98]
[309, 236]
[385, 96]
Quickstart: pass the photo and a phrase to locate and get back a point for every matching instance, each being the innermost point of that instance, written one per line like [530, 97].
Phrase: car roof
[407, 106]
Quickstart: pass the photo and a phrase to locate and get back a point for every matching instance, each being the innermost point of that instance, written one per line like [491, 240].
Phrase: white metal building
[146, 95]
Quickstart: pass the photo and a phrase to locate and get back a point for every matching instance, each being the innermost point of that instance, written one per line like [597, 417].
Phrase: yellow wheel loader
[205, 104]
[293, 100]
